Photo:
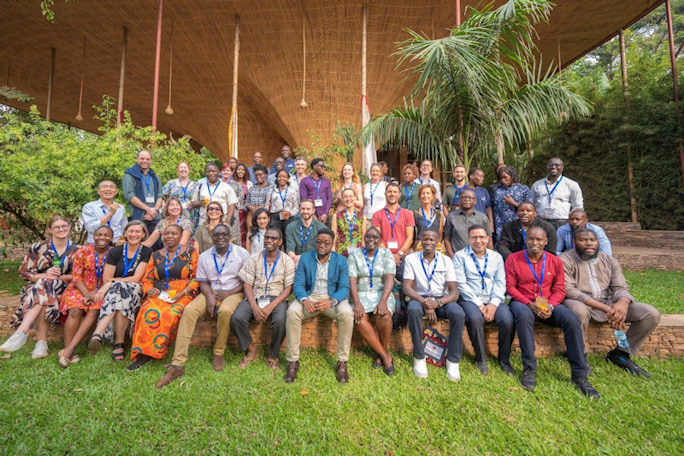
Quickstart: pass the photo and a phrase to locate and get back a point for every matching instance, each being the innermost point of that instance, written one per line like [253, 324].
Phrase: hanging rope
[303, 104]
[79, 117]
[169, 109]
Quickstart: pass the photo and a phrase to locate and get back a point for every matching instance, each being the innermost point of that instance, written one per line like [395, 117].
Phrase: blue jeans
[561, 317]
[451, 312]
[474, 322]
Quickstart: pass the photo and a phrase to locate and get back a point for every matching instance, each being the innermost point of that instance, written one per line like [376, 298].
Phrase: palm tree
[480, 86]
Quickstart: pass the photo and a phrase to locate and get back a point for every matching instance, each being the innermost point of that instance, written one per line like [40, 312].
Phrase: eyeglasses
[60, 227]
[214, 209]
[323, 243]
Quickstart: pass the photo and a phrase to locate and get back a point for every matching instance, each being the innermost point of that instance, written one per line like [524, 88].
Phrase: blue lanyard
[408, 194]
[432, 218]
[372, 191]
[317, 186]
[147, 180]
[167, 265]
[99, 268]
[283, 198]
[109, 222]
[396, 217]
[370, 265]
[482, 272]
[350, 224]
[129, 264]
[211, 194]
[432, 274]
[301, 235]
[553, 189]
[524, 234]
[220, 271]
[266, 273]
[63, 257]
[540, 280]
[185, 189]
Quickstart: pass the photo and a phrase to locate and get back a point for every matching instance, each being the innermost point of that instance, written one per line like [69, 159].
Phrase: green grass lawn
[95, 407]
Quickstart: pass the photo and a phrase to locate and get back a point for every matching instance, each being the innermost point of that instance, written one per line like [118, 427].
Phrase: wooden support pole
[234, 112]
[51, 80]
[630, 166]
[458, 12]
[122, 77]
[157, 60]
[673, 63]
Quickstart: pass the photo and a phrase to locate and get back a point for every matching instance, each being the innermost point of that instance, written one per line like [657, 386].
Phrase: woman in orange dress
[168, 286]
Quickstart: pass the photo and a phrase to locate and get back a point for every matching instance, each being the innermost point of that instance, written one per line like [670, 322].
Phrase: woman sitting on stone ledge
[47, 271]
[83, 297]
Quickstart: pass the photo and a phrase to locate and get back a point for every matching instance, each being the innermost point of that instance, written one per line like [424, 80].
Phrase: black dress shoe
[389, 370]
[482, 366]
[507, 368]
[292, 369]
[342, 374]
[623, 360]
[529, 379]
[582, 383]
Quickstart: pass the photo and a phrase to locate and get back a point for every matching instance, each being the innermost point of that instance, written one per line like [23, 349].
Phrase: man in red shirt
[396, 225]
[535, 280]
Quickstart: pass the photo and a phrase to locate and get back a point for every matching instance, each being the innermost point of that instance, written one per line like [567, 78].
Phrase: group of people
[239, 242]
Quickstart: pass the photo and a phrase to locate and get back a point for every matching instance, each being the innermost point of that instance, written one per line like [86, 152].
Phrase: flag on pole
[233, 133]
[369, 154]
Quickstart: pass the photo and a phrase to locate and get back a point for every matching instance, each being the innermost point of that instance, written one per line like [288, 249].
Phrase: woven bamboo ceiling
[270, 60]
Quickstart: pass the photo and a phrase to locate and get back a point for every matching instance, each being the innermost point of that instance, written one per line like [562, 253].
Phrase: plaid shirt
[257, 196]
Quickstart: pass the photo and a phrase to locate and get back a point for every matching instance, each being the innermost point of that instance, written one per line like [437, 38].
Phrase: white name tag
[318, 202]
[263, 301]
[484, 298]
[392, 245]
[149, 199]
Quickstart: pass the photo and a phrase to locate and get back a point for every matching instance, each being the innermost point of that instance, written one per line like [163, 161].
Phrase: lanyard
[350, 224]
[539, 280]
[431, 275]
[317, 186]
[63, 257]
[167, 265]
[211, 194]
[109, 222]
[266, 273]
[524, 233]
[406, 190]
[396, 217]
[99, 268]
[482, 272]
[147, 180]
[283, 198]
[185, 189]
[220, 271]
[372, 191]
[129, 264]
[370, 265]
[432, 218]
[553, 189]
[301, 235]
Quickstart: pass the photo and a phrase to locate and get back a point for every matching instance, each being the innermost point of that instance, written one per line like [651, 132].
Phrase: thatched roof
[270, 66]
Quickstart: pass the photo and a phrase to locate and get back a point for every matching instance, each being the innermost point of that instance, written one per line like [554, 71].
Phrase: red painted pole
[458, 12]
[157, 58]
[673, 63]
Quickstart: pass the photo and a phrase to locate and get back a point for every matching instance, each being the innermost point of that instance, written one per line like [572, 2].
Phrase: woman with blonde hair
[427, 217]
[349, 179]
[374, 192]
[183, 189]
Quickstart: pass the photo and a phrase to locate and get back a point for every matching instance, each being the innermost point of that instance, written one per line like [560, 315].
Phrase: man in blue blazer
[321, 285]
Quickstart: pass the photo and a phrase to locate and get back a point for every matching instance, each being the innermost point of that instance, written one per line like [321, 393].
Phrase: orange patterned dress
[157, 320]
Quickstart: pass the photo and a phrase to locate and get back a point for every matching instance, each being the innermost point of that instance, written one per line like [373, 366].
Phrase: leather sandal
[118, 352]
[95, 344]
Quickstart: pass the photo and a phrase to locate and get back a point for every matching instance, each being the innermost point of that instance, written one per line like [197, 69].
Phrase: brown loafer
[292, 369]
[173, 373]
[342, 374]
[218, 363]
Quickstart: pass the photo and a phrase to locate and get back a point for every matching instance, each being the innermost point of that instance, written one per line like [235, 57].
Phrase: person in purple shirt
[317, 188]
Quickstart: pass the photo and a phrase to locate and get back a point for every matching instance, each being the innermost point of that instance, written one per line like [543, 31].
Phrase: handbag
[435, 346]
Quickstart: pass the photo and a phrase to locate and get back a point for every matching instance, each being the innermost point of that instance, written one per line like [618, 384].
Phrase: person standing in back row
[556, 195]
[317, 188]
[143, 191]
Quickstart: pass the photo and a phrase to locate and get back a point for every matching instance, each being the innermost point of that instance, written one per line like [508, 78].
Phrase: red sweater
[523, 287]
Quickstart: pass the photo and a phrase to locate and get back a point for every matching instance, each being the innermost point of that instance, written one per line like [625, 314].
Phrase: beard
[586, 256]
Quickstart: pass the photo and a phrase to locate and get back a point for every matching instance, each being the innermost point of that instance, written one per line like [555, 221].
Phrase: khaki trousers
[196, 309]
[342, 312]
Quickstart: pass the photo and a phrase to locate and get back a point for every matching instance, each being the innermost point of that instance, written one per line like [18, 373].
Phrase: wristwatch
[334, 302]
[401, 253]
[440, 303]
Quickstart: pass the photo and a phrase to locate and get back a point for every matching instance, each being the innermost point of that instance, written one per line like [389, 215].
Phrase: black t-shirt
[116, 258]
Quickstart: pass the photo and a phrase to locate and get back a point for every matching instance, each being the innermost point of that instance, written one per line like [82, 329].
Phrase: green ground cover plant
[95, 407]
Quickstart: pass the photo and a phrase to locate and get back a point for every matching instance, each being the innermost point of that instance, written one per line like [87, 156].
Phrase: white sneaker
[15, 342]
[420, 368]
[453, 371]
[40, 350]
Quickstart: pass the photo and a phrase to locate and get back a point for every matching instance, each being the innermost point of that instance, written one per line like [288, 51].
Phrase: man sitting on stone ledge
[430, 283]
[596, 289]
[535, 281]
[267, 277]
[220, 286]
[576, 220]
[321, 286]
